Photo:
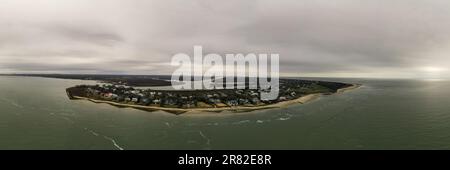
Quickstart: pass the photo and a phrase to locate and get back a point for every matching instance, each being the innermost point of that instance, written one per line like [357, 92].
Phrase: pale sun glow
[431, 69]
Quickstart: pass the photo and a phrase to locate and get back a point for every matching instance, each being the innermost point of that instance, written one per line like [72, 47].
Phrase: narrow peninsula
[292, 91]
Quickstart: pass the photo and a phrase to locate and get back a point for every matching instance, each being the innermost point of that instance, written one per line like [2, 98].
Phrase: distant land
[128, 80]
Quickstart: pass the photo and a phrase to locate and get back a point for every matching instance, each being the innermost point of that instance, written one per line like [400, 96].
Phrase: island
[218, 100]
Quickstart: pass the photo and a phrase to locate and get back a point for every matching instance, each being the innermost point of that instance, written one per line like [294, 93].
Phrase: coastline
[354, 86]
[238, 109]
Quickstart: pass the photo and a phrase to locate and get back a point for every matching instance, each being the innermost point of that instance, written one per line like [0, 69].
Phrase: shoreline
[354, 86]
[238, 109]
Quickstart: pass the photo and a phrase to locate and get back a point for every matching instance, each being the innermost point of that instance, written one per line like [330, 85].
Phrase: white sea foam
[16, 104]
[67, 114]
[208, 142]
[106, 137]
[92, 132]
[69, 120]
[114, 142]
[241, 122]
[12, 102]
[213, 124]
[284, 118]
[168, 124]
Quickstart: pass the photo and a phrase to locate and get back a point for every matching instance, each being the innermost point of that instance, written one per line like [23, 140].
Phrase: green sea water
[35, 113]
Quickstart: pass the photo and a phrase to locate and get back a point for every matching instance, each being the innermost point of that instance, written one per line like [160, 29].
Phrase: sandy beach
[354, 86]
[301, 100]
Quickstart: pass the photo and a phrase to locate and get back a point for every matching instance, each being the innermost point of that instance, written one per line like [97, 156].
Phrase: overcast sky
[349, 38]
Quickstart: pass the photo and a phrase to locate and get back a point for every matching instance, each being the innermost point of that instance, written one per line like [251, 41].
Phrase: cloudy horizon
[348, 38]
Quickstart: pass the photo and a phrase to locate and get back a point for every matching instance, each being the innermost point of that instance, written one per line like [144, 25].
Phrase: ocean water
[35, 113]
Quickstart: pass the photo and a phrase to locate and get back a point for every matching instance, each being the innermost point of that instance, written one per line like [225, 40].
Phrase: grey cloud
[311, 37]
[360, 35]
[87, 34]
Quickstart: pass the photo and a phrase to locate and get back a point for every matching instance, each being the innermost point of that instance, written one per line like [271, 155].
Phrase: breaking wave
[208, 141]
[12, 102]
[113, 141]
[241, 122]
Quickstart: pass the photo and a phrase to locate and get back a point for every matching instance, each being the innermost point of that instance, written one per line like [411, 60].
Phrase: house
[293, 94]
[114, 96]
[253, 93]
[214, 101]
[255, 100]
[135, 99]
[169, 102]
[240, 92]
[128, 99]
[232, 102]
[120, 98]
[156, 101]
[243, 101]
[145, 101]
[187, 105]
[108, 95]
